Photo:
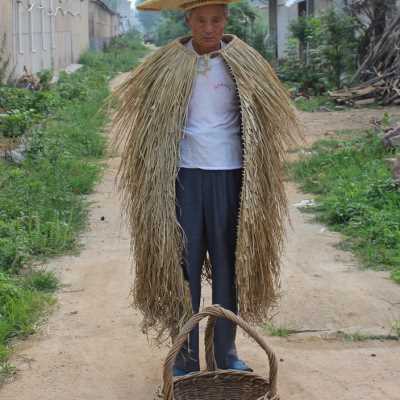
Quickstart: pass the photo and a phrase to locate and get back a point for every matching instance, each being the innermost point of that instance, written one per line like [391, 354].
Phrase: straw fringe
[269, 127]
[148, 128]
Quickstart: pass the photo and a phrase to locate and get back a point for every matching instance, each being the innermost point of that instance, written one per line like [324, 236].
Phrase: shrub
[339, 45]
[12, 98]
[71, 88]
[310, 76]
[321, 52]
[42, 280]
[131, 40]
[24, 108]
[45, 78]
[15, 123]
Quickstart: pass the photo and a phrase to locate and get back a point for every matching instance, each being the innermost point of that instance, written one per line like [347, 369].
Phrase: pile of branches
[379, 72]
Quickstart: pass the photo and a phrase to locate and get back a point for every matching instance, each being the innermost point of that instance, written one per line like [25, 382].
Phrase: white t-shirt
[211, 137]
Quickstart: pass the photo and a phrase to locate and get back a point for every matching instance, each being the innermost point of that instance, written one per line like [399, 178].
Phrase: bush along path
[43, 205]
[356, 194]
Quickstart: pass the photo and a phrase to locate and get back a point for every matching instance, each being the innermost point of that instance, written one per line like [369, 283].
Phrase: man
[208, 184]
[204, 122]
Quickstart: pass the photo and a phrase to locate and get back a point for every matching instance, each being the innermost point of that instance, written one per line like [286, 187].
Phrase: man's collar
[213, 54]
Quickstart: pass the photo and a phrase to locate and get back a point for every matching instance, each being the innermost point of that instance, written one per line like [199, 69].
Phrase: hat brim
[158, 5]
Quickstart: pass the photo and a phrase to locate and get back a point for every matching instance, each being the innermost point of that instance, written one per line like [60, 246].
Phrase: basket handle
[220, 312]
[214, 312]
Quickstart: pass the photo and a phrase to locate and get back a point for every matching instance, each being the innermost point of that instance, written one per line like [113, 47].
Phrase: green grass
[43, 206]
[356, 195]
[273, 330]
[24, 300]
[355, 336]
[123, 52]
[362, 337]
[359, 336]
[315, 103]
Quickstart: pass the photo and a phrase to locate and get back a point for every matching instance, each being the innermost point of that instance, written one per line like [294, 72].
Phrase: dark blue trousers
[207, 206]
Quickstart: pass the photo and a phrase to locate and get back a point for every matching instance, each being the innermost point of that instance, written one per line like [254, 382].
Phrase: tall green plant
[303, 63]
[247, 23]
[307, 30]
[321, 51]
[172, 25]
[307, 74]
[242, 20]
[339, 44]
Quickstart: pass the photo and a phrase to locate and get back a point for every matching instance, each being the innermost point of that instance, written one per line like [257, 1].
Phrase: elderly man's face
[207, 24]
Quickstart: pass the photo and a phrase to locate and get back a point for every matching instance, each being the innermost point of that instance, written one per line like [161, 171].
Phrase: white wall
[103, 25]
[285, 16]
[6, 31]
[47, 33]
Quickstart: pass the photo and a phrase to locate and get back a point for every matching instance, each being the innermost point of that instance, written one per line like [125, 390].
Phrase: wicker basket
[215, 384]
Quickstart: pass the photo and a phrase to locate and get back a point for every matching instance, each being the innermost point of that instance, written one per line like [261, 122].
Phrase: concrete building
[127, 16]
[51, 34]
[44, 34]
[5, 34]
[103, 24]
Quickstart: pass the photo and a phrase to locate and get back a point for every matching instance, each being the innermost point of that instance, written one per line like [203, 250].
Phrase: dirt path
[325, 123]
[92, 347]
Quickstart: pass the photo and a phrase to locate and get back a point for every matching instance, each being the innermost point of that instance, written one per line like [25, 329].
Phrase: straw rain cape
[148, 126]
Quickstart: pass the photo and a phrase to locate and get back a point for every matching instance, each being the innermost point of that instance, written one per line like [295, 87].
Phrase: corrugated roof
[104, 4]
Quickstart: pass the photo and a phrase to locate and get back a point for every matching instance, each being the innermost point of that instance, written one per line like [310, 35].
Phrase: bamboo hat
[158, 5]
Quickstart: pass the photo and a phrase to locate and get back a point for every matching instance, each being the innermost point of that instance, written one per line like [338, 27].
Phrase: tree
[171, 25]
[149, 21]
[339, 47]
[322, 50]
[373, 17]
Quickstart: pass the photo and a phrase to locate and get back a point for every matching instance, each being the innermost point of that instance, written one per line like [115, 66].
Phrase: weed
[362, 337]
[42, 280]
[396, 328]
[20, 308]
[15, 123]
[355, 336]
[6, 368]
[314, 103]
[273, 330]
[45, 78]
